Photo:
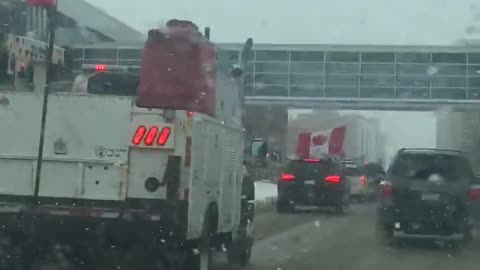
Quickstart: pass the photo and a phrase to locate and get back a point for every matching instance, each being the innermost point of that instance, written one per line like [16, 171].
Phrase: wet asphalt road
[318, 240]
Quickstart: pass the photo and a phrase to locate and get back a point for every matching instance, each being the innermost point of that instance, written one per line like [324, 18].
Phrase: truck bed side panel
[86, 147]
[232, 178]
[200, 190]
[215, 157]
[20, 115]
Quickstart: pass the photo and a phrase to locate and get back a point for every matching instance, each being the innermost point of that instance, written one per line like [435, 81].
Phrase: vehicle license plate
[430, 196]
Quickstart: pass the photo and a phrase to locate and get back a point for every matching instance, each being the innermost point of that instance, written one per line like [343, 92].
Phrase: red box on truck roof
[178, 70]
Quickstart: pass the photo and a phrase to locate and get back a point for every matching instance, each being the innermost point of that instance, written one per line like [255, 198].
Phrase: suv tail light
[363, 181]
[332, 179]
[474, 193]
[286, 177]
[385, 190]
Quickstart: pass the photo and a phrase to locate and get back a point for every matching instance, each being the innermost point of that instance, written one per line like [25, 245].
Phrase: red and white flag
[42, 3]
[318, 144]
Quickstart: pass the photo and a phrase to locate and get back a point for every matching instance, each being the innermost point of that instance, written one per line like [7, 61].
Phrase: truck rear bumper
[161, 220]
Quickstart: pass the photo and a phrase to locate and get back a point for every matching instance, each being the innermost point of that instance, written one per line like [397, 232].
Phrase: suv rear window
[113, 84]
[303, 168]
[354, 171]
[421, 165]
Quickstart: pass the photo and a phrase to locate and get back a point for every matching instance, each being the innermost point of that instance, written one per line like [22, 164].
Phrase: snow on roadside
[265, 190]
[265, 196]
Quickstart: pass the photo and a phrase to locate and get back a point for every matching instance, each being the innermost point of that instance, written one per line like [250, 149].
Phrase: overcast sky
[309, 21]
[389, 22]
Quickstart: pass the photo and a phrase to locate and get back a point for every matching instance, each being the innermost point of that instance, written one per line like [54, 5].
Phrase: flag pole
[52, 24]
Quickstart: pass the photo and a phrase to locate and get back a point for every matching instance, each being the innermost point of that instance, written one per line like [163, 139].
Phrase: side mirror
[275, 156]
[236, 71]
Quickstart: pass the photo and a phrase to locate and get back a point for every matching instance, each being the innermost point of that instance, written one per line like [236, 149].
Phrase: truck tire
[384, 235]
[245, 256]
[239, 256]
[239, 252]
[201, 257]
[284, 206]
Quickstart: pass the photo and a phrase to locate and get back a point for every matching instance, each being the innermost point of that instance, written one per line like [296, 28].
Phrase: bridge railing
[427, 73]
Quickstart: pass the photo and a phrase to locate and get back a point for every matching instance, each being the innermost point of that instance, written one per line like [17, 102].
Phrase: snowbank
[265, 196]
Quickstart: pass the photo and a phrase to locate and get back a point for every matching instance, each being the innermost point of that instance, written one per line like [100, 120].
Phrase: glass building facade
[396, 72]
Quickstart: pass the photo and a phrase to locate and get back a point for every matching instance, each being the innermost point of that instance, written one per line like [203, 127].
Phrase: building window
[449, 57]
[342, 80]
[271, 56]
[306, 79]
[277, 79]
[413, 57]
[306, 68]
[342, 56]
[100, 54]
[307, 56]
[378, 68]
[380, 57]
[342, 68]
[130, 54]
[271, 67]
[413, 81]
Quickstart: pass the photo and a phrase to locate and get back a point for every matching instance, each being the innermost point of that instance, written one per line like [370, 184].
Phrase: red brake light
[164, 135]
[190, 114]
[311, 160]
[139, 134]
[385, 189]
[332, 179]
[286, 177]
[363, 180]
[474, 193]
[100, 67]
[151, 135]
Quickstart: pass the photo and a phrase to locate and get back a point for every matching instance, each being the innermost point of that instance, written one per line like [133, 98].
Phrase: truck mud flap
[176, 211]
[172, 177]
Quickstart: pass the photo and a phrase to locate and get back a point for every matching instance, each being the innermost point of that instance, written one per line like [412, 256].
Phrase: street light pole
[52, 23]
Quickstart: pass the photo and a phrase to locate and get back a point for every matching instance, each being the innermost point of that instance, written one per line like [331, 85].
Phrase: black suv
[427, 193]
[313, 182]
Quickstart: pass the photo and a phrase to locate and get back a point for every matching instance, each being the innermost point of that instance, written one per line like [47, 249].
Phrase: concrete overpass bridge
[337, 77]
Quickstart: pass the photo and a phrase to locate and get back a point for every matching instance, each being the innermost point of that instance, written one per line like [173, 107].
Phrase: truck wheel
[284, 206]
[384, 233]
[239, 256]
[245, 256]
[201, 257]
[344, 207]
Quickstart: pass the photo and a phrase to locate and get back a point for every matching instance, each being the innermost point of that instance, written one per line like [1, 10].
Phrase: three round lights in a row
[148, 136]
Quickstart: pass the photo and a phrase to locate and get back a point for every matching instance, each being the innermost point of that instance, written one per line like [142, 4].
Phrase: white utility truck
[157, 176]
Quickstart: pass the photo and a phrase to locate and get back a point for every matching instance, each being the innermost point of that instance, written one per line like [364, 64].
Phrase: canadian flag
[316, 144]
[41, 3]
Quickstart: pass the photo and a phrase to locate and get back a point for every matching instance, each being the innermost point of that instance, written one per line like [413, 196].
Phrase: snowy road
[316, 240]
